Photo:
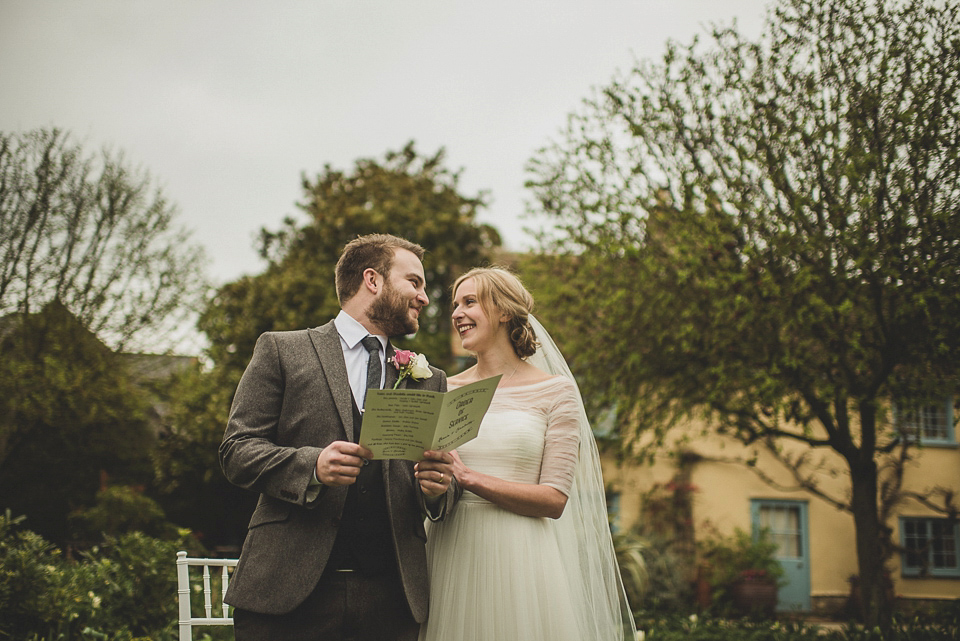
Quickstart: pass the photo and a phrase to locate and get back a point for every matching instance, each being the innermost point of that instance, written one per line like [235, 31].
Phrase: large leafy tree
[94, 233]
[769, 231]
[91, 262]
[70, 417]
[407, 194]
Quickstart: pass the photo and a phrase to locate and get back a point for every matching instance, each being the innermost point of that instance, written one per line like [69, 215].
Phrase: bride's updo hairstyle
[500, 292]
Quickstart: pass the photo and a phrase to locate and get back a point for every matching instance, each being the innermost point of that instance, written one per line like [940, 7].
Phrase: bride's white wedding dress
[496, 575]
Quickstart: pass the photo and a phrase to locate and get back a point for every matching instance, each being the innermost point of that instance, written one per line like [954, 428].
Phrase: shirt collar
[352, 332]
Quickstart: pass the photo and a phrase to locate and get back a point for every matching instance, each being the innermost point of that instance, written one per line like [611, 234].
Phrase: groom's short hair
[374, 251]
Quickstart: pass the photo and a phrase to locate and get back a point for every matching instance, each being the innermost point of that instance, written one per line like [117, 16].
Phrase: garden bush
[727, 560]
[121, 590]
[119, 509]
[32, 588]
[668, 569]
[694, 628]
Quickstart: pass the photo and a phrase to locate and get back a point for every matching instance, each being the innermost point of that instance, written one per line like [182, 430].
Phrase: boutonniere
[410, 364]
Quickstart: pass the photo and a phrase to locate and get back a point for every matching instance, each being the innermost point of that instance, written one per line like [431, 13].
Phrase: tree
[768, 232]
[190, 486]
[69, 414]
[407, 194]
[94, 234]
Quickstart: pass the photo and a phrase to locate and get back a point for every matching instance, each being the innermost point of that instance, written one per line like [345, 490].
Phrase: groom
[335, 547]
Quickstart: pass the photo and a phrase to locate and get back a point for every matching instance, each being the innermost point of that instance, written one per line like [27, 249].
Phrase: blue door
[787, 523]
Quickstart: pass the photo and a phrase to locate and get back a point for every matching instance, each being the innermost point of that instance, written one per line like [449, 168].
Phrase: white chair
[187, 620]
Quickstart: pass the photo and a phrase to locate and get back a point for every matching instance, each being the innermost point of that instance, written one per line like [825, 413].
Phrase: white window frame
[613, 511]
[908, 424]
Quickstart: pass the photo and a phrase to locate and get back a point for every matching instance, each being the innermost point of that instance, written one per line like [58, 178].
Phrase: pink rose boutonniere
[410, 364]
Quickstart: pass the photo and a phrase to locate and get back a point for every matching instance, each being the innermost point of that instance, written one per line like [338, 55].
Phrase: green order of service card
[403, 423]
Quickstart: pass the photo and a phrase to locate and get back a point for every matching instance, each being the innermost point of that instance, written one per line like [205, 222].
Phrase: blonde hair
[500, 292]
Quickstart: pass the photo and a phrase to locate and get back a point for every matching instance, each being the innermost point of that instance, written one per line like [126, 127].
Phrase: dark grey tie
[374, 369]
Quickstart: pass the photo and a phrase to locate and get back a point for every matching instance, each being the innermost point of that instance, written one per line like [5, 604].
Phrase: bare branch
[95, 235]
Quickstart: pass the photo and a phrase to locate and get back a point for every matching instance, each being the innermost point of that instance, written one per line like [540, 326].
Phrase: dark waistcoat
[364, 541]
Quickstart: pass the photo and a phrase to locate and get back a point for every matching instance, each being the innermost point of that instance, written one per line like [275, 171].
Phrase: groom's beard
[391, 313]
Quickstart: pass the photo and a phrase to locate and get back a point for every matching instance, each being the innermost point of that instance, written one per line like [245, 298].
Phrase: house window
[605, 425]
[783, 522]
[932, 424]
[930, 547]
[613, 511]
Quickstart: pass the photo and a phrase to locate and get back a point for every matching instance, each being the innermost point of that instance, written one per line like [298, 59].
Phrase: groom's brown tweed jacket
[292, 401]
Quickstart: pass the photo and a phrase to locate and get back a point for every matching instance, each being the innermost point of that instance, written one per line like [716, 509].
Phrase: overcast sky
[227, 102]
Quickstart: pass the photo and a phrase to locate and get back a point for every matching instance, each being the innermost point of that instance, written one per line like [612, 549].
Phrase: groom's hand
[340, 462]
[434, 472]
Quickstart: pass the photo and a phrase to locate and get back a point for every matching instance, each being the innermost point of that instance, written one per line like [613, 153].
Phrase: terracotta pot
[756, 597]
[703, 588]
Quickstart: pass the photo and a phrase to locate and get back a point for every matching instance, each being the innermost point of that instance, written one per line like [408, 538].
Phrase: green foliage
[766, 233]
[191, 487]
[697, 628]
[133, 582]
[68, 413]
[31, 589]
[95, 234]
[727, 560]
[663, 537]
[667, 585]
[694, 628]
[630, 550]
[119, 591]
[121, 509]
[406, 194]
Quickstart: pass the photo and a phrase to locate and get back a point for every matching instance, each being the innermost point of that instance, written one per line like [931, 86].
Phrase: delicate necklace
[511, 373]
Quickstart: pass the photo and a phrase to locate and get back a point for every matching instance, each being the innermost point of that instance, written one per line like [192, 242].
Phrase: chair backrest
[215, 611]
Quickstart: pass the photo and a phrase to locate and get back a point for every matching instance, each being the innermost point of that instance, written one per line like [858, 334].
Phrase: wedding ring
[441, 477]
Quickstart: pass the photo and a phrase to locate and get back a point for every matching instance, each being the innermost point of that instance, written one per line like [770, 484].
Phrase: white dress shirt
[355, 355]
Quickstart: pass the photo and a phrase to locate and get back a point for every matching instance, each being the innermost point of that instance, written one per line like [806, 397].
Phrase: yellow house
[815, 535]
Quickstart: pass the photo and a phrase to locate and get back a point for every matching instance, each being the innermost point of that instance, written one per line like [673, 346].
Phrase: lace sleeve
[562, 439]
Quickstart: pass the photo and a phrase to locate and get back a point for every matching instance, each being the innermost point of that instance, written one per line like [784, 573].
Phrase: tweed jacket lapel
[391, 373]
[326, 341]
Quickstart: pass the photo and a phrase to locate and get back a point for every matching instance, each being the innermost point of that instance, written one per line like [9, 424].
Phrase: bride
[527, 553]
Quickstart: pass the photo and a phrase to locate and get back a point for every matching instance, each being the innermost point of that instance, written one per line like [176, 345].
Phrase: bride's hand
[434, 472]
[460, 471]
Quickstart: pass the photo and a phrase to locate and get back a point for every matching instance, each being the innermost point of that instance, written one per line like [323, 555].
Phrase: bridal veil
[585, 540]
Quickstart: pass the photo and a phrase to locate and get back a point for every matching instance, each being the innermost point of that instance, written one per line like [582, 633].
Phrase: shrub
[123, 589]
[727, 560]
[633, 566]
[121, 509]
[694, 628]
[34, 592]
[132, 583]
[663, 541]
[668, 569]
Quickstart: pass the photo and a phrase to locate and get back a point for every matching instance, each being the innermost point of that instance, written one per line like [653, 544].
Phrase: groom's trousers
[360, 595]
[345, 606]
